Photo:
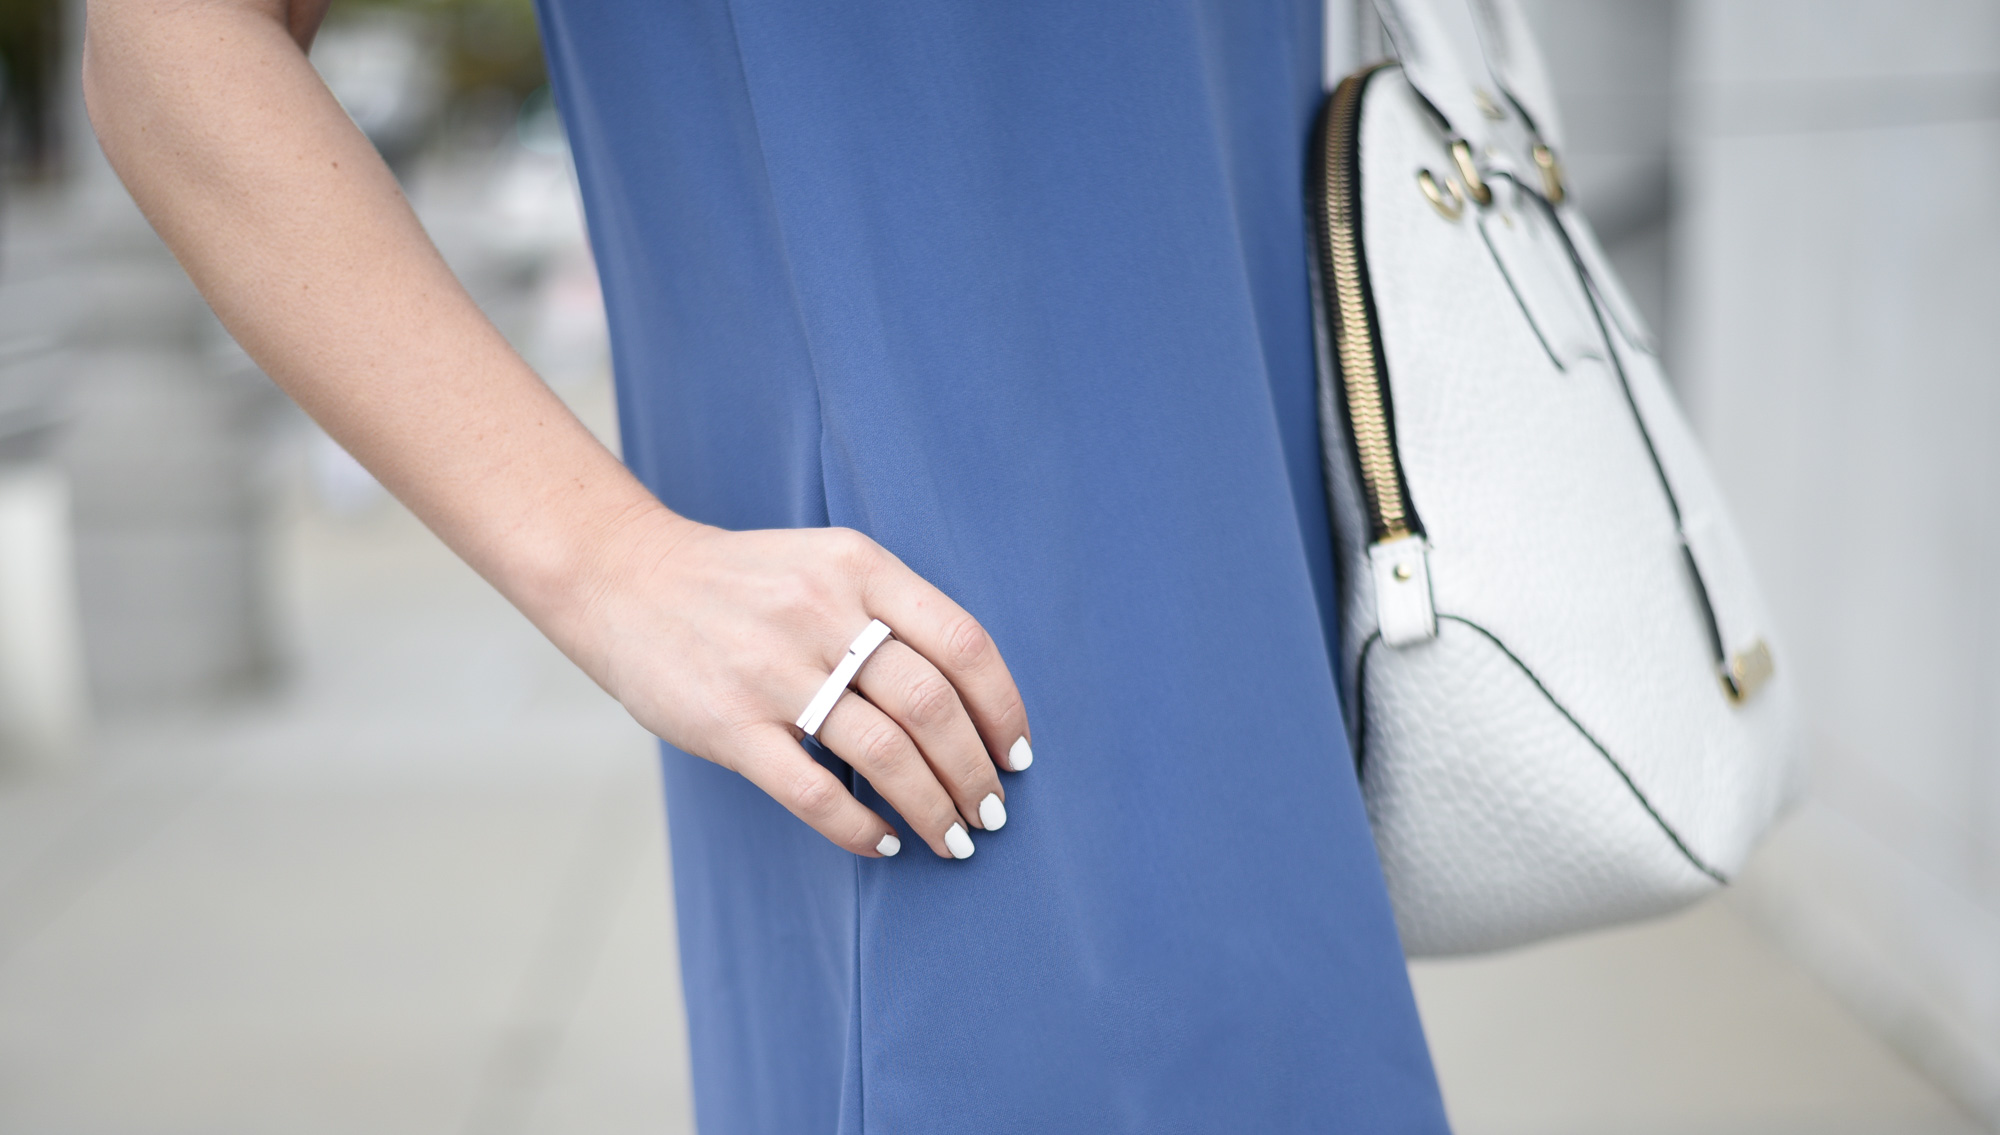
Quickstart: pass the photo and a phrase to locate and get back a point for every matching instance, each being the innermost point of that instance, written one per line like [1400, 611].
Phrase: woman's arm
[300, 239]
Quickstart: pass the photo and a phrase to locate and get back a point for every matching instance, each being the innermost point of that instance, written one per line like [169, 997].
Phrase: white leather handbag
[1566, 704]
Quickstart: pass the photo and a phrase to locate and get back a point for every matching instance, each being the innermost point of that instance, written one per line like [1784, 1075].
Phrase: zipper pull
[1401, 569]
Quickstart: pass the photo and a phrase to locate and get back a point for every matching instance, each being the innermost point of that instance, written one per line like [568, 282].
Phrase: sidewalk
[1691, 1026]
[422, 889]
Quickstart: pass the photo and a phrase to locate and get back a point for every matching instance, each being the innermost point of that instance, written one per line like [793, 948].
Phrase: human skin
[301, 241]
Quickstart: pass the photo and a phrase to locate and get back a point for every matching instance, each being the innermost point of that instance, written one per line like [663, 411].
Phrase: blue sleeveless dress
[1019, 289]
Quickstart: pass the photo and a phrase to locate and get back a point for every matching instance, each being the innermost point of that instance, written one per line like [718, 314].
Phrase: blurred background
[302, 829]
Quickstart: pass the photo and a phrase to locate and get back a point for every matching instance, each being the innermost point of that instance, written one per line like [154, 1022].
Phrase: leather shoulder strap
[1460, 53]
[1514, 60]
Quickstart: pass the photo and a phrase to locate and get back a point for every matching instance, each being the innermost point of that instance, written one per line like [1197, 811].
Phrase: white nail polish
[890, 845]
[1020, 756]
[992, 813]
[958, 843]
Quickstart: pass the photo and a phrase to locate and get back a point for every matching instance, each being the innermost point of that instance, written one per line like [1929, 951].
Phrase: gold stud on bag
[1566, 710]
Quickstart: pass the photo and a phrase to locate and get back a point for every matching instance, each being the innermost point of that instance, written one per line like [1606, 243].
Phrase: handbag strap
[1474, 61]
[1517, 65]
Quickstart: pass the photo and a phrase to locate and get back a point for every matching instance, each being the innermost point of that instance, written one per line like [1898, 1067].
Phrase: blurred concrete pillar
[165, 439]
[43, 707]
[1837, 300]
[166, 453]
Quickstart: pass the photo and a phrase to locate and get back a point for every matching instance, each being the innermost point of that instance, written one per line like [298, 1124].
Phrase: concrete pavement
[422, 888]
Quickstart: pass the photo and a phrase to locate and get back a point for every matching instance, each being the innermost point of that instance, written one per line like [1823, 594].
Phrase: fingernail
[958, 843]
[1020, 756]
[890, 845]
[992, 813]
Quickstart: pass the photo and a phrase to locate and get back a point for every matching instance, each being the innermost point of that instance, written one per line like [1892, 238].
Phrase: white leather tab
[1529, 251]
[1726, 579]
[1403, 608]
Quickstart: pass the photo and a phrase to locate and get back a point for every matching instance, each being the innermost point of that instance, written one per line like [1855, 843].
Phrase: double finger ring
[864, 644]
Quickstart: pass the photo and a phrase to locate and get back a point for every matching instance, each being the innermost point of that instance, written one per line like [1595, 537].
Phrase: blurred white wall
[1836, 301]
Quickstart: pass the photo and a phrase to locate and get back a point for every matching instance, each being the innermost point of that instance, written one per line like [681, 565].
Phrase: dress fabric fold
[1020, 291]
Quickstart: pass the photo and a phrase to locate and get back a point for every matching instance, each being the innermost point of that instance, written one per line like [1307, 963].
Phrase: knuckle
[1014, 716]
[881, 744]
[815, 796]
[798, 592]
[929, 700]
[966, 643]
[852, 549]
[860, 834]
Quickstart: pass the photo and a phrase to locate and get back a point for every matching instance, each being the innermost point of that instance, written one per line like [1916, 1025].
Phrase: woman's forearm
[298, 236]
[300, 239]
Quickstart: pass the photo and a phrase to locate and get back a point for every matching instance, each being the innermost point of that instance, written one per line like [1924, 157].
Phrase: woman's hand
[302, 243]
[716, 640]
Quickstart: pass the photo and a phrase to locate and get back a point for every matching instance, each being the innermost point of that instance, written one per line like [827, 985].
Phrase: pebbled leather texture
[1563, 754]
[1498, 822]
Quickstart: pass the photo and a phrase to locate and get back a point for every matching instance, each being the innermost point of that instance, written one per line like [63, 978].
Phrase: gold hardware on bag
[1450, 207]
[1552, 176]
[1461, 152]
[1487, 106]
[1747, 671]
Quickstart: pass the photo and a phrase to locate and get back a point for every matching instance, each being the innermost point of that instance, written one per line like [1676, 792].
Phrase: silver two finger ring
[864, 644]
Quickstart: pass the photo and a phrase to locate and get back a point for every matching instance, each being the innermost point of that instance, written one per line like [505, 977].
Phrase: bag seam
[1361, 750]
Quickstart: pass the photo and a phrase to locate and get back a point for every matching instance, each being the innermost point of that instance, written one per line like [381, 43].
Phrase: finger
[877, 747]
[952, 640]
[902, 684]
[775, 763]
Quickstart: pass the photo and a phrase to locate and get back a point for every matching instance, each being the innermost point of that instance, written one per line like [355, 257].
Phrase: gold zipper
[1351, 315]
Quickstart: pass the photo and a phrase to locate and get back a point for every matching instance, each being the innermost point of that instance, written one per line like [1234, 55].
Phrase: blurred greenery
[30, 48]
[488, 44]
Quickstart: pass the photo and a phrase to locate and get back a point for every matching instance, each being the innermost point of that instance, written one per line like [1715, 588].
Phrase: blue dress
[1018, 288]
